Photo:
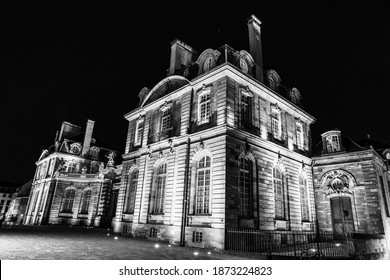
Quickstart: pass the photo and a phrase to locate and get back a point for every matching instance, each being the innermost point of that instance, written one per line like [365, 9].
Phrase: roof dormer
[331, 142]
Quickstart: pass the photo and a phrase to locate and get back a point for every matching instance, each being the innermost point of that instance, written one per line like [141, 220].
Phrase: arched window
[159, 193]
[244, 187]
[279, 193]
[68, 201]
[131, 192]
[85, 200]
[202, 192]
[305, 214]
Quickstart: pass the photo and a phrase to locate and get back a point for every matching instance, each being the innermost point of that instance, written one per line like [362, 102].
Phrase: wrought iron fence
[299, 245]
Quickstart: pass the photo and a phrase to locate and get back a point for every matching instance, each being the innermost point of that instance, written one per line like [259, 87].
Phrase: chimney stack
[181, 54]
[255, 46]
[87, 136]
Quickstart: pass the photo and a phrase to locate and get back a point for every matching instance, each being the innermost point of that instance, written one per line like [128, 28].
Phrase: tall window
[299, 136]
[202, 192]
[132, 190]
[276, 124]
[332, 143]
[85, 200]
[139, 133]
[304, 199]
[41, 202]
[159, 194]
[245, 109]
[204, 107]
[67, 205]
[279, 193]
[384, 196]
[72, 165]
[244, 187]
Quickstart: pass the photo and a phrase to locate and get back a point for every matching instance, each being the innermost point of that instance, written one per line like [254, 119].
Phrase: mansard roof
[164, 87]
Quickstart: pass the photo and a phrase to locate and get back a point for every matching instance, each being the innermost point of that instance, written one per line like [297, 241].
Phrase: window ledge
[280, 224]
[66, 214]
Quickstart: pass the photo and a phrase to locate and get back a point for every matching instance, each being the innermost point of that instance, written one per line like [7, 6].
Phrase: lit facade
[352, 184]
[218, 144]
[75, 181]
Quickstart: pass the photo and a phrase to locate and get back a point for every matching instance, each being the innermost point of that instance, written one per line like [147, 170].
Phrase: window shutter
[193, 236]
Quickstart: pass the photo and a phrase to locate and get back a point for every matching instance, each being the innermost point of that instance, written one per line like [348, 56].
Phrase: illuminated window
[279, 193]
[299, 134]
[131, 192]
[304, 199]
[276, 124]
[202, 193]
[139, 133]
[197, 236]
[246, 117]
[68, 200]
[85, 200]
[165, 125]
[244, 187]
[204, 107]
[332, 143]
[41, 202]
[159, 193]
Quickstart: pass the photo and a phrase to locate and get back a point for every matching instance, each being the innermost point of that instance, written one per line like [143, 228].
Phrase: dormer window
[204, 107]
[243, 66]
[139, 132]
[332, 143]
[276, 123]
[208, 64]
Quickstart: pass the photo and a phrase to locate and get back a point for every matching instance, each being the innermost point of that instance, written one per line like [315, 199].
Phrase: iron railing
[293, 244]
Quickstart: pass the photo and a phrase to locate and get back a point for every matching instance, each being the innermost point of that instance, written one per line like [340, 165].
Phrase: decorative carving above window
[337, 182]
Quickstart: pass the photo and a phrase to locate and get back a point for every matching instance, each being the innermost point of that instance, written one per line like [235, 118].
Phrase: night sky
[64, 62]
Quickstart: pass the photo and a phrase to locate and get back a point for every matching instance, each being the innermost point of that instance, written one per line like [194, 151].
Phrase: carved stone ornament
[149, 151]
[170, 142]
[201, 145]
[338, 182]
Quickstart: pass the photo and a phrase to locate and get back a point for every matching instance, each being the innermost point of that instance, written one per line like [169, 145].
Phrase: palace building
[218, 149]
[76, 181]
[219, 143]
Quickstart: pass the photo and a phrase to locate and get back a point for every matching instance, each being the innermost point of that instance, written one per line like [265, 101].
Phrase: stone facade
[218, 144]
[74, 181]
[352, 189]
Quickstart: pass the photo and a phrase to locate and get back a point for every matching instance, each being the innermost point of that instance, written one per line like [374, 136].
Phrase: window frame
[138, 137]
[132, 185]
[84, 203]
[245, 169]
[207, 105]
[65, 200]
[203, 192]
[299, 135]
[159, 190]
[279, 199]
[304, 198]
[276, 122]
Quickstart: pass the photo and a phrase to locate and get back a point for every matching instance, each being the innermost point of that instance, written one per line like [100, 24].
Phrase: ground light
[108, 234]
[116, 237]
[196, 253]
[156, 246]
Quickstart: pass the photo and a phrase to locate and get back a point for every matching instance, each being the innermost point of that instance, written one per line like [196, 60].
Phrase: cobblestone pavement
[75, 243]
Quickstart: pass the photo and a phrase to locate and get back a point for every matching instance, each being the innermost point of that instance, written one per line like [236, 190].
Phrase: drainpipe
[185, 197]
[315, 205]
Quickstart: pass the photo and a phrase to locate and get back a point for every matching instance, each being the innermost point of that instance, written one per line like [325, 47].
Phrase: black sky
[64, 62]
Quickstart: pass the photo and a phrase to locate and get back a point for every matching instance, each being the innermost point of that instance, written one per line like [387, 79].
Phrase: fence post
[295, 247]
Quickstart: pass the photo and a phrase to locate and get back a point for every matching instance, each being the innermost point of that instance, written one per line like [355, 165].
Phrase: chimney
[87, 136]
[255, 46]
[181, 54]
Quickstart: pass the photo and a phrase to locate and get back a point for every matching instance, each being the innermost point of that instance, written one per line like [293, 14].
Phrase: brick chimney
[181, 54]
[255, 46]
[87, 136]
